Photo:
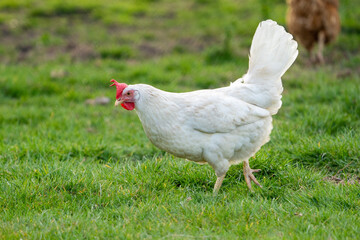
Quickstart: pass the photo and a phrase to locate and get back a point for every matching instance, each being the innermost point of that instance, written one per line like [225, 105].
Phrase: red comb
[119, 87]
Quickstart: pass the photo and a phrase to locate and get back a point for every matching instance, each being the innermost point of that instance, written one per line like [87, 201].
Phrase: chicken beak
[118, 102]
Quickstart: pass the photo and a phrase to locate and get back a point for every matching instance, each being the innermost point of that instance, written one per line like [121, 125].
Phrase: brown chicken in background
[313, 22]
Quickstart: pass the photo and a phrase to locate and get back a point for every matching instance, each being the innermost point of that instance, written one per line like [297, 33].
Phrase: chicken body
[314, 22]
[206, 129]
[223, 126]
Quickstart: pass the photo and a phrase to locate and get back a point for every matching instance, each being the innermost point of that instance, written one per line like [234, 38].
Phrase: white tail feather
[272, 52]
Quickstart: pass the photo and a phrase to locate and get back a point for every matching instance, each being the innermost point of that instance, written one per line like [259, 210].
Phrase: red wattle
[128, 105]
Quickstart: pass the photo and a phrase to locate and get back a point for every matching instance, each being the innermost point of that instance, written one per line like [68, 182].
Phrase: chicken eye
[128, 93]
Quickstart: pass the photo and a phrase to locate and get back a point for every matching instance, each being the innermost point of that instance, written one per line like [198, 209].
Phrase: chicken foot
[248, 174]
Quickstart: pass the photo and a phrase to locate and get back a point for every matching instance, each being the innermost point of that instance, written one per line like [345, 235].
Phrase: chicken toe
[248, 174]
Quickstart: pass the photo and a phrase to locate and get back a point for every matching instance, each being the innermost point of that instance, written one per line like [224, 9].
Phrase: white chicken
[223, 126]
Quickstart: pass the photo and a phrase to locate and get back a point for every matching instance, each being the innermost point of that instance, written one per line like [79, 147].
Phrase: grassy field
[71, 170]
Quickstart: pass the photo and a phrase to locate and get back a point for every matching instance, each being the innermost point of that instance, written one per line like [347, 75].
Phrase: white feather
[272, 52]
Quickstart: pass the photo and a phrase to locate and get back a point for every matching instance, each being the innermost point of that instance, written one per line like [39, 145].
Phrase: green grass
[69, 170]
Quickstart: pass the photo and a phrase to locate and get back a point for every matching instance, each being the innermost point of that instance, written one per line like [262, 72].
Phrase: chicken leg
[218, 183]
[321, 43]
[248, 174]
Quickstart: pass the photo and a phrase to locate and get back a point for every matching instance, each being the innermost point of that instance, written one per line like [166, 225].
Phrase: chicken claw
[248, 174]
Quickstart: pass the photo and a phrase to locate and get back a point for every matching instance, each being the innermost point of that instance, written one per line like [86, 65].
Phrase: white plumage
[223, 126]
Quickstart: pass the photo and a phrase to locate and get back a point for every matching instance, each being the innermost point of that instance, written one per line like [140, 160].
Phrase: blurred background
[35, 31]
